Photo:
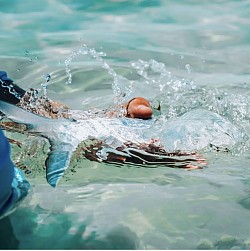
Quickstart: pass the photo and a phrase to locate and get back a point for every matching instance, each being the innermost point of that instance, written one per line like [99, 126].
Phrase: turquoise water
[187, 54]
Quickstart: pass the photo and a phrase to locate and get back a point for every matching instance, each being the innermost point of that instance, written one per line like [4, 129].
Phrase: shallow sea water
[187, 54]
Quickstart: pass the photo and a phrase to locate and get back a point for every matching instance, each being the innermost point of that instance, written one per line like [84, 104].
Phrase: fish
[117, 140]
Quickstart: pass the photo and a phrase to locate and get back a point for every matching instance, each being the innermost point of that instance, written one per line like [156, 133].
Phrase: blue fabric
[4, 77]
[13, 185]
[9, 92]
[6, 169]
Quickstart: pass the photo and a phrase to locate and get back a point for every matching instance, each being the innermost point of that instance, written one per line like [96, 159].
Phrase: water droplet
[188, 68]
[44, 84]
[47, 78]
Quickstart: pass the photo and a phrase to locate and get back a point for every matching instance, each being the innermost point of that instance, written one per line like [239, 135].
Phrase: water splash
[44, 84]
[121, 86]
[186, 95]
[154, 79]
[177, 95]
[160, 83]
